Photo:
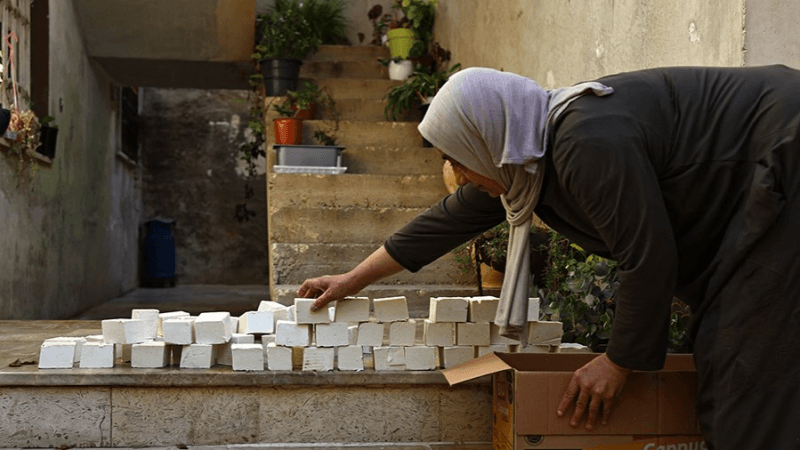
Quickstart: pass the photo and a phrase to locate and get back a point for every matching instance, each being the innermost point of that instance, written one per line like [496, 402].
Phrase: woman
[686, 177]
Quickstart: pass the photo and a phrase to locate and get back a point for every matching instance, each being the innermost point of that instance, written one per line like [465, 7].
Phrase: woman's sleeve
[456, 219]
[615, 184]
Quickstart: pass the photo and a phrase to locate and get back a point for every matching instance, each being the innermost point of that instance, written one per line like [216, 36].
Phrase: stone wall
[68, 236]
[559, 43]
[193, 174]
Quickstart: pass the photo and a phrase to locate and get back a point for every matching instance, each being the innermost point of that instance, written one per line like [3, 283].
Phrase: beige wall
[559, 42]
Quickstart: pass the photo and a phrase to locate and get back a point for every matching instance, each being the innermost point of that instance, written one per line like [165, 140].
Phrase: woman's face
[464, 176]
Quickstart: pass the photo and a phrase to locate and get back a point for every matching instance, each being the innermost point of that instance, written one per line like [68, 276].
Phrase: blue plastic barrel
[159, 253]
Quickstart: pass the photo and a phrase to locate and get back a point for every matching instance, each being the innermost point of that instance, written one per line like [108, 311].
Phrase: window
[129, 123]
[15, 20]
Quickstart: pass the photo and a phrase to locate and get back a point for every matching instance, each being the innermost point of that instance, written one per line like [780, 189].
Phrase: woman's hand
[327, 289]
[594, 386]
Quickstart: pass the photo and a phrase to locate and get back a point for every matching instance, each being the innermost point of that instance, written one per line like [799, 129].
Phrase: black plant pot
[47, 137]
[5, 120]
[280, 75]
[422, 110]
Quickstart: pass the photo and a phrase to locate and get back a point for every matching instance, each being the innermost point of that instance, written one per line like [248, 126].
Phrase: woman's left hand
[593, 387]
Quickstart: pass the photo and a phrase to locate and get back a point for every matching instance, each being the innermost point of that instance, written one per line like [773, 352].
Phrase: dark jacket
[675, 176]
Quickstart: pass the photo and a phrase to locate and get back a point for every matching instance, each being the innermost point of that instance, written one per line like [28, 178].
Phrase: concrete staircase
[327, 224]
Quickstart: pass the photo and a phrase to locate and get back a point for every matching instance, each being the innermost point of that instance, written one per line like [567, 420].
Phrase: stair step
[392, 160]
[363, 88]
[357, 190]
[372, 160]
[348, 53]
[418, 296]
[354, 133]
[337, 225]
[368, 69]
[367, 110]
[293, 263]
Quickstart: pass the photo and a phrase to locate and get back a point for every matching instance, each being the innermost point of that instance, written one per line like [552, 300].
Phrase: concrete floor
[332, 446]
[193, 299]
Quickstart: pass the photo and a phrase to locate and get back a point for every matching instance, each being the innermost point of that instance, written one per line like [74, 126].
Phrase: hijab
[496, 124]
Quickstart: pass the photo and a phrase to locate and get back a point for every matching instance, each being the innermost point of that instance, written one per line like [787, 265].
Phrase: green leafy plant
[309, 94]
[47, 121]
[285, 32]
[420, 15]
[326, 18]
[416, 90]
[578, 290]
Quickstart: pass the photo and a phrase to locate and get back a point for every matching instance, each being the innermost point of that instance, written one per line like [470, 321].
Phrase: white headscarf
[495, 123]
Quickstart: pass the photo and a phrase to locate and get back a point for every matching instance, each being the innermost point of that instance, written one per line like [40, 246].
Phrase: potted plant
[303, 103]
[48, 134]
[284, 38]
[419, 89]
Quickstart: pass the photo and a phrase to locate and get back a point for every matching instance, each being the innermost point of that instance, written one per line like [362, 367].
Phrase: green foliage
[578, 290]
[285, 32]
[420, 15]
[415, 90]
[326, 18]
[324, 138]
[308, 94]
[491, 245]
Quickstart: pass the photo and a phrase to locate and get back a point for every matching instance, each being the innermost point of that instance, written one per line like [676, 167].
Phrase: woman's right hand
[327, 289]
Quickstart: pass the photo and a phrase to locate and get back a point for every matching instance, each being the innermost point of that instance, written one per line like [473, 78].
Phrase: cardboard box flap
[475, 368]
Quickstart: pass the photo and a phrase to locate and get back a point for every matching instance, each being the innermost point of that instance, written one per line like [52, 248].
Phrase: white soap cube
[573, 347]
[483, 309]
[453, 356]
[213, 328]
[79, 341]
[421, 358]
[448, 309]
[198, 356]
[498, 348]
[97, 355]
[536, 348]
[247, 357]
[390, 309]
[352, 334]
[290, 314]
[267, 339]
[469, 333]
[497, 339]
[402, 334]
[150, 318]
[291, 334]
[545, 332]
[124, 331]
[224, 352]
[350, 358]
[352, 309]
[169, 315]
[257, 322]
[234, 324]
[334, 334]
[57, 354]
[279, 311]
[94, 338]
[149, 355]
[279, 358]
[533, 309]
[389, 358]
[370, 334]
[318, 359]
[178, 331]
[439, 334]
[304, 315]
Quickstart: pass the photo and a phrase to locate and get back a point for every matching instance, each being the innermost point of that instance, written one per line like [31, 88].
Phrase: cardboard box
[655, 410]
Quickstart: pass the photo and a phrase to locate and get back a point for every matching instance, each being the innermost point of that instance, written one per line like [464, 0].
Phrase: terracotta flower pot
[288, 130]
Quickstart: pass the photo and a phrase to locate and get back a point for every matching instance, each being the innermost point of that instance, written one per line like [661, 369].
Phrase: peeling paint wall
[193, 173]
[68, 235]
[561, 42]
